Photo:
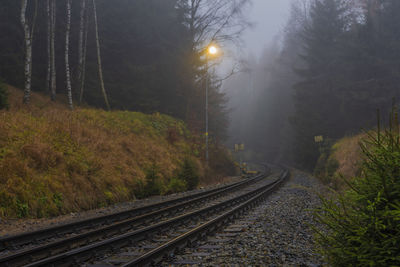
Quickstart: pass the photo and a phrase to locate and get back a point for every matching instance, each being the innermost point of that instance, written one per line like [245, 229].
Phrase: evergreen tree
[316, 100]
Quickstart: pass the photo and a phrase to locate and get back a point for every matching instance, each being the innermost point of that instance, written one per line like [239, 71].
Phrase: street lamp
[212, 50]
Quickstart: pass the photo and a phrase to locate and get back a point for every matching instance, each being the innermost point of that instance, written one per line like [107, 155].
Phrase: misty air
[199, 133]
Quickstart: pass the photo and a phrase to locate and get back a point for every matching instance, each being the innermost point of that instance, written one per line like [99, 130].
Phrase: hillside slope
[54, 161]
[340, 161]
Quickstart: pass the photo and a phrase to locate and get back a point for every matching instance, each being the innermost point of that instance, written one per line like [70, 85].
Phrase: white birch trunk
[53, 53]
[82, 82]
[67, 70]
[28, 53]
[103, 90]
[48, 76]
[81, 36]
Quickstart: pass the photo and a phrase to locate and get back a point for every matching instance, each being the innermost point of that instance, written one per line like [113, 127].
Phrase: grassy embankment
[54, 161]
[340, 162]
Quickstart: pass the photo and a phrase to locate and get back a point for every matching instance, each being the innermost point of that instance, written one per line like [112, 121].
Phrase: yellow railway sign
[239, 147]
[318, 139]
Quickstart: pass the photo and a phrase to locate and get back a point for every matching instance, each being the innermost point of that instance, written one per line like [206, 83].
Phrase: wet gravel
[276, 233]
[15, 226]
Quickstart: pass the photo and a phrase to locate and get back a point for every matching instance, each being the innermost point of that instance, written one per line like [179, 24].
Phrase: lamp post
[212, 50]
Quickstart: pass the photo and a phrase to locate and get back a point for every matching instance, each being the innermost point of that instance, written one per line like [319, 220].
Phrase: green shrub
[176, 185]
[363, 225]
[22, 209]
[152, 186]
[189, 174]
[58, 200]
[3, 96]
[138, 189]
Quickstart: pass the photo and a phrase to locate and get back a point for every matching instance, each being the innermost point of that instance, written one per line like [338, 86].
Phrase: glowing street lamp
[212, 50]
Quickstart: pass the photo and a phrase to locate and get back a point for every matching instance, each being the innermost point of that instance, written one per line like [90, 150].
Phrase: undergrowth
[54, 161]
[185, 177]
[339, 162]
[362, 226]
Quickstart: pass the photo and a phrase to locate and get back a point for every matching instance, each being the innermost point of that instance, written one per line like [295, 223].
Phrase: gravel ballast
[276, 233]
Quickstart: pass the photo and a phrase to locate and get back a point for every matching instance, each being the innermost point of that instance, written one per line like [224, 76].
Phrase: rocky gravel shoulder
[276, 233]
[15, 226]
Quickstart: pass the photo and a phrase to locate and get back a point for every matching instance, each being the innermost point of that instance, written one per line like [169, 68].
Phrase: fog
[312, 69]
[305, 69]
[269, 18]
[261, 45]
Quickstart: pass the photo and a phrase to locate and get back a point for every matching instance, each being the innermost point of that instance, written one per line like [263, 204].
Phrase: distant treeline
[339, 62]
[151, 52]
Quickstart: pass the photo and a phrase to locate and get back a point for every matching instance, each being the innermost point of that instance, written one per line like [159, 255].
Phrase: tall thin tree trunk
[28, 52]
[48, 76]
[82, 81]
[53, 53]
[67, 70]
[103, 90]
[81, 36]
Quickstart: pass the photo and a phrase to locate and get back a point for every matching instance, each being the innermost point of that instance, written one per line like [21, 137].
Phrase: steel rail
[42, 234]
[81, 254]
[25, 256]
[156, 255]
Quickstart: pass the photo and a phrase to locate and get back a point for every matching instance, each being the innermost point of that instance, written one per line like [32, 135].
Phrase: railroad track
[31, 248]
[199, 231]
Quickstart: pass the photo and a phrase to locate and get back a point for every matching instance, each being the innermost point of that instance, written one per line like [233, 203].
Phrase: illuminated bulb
[212, 50]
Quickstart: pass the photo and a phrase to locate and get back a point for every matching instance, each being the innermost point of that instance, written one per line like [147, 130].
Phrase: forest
[335, 64]
[145, 55]
[329, 71]
[116, 114]
[106, 101]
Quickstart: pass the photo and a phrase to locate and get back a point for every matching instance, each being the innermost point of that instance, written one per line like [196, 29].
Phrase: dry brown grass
[347, 153]
[55, 161]
[342, 164]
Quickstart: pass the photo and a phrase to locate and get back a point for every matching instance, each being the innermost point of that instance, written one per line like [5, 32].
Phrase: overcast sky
[269, 17]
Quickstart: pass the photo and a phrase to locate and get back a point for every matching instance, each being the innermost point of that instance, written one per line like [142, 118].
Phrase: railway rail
[140, 236]
[16, 241]
[14, 250]
[156, 255]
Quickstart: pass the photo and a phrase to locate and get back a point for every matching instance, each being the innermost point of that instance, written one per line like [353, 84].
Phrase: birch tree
[103, 90]
[53, 53]
[81, 48]
[67, 70]
[28, 35]
[83, 77]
